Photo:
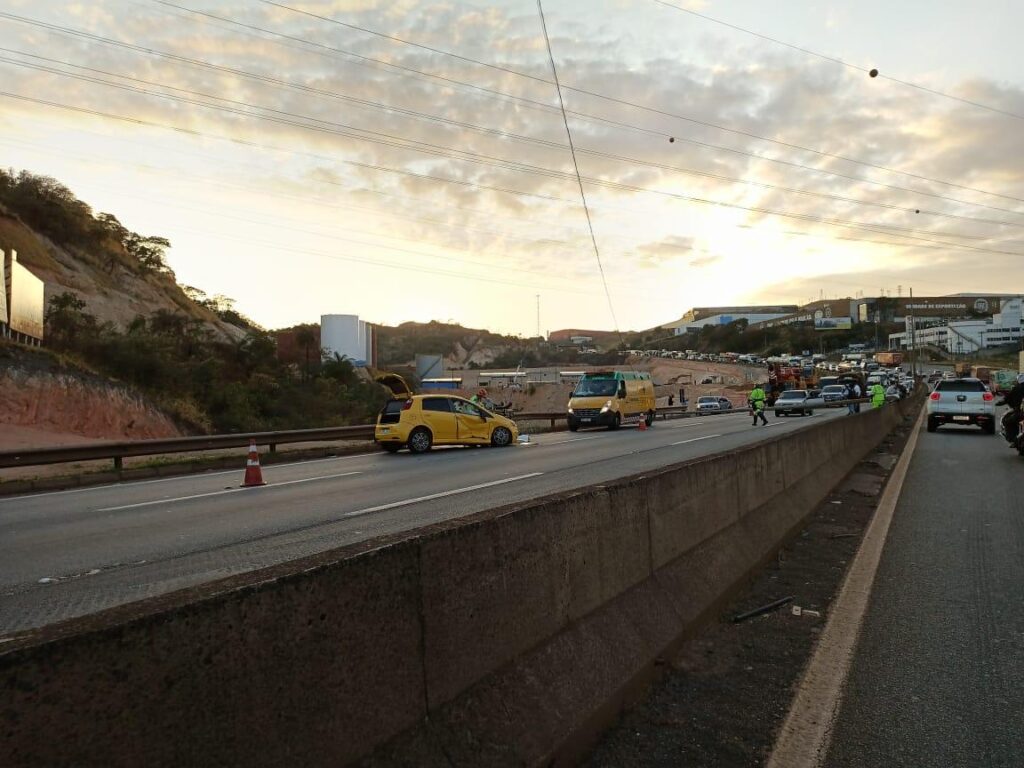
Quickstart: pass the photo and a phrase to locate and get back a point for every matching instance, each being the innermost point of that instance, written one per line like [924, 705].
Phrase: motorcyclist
[1014, 399]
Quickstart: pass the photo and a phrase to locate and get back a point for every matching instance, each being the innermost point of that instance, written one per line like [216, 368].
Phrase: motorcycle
[1018, 441]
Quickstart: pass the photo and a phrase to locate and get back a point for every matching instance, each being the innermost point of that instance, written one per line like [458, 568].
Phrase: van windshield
[596, 388]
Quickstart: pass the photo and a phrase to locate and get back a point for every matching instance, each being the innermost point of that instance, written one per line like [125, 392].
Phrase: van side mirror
[622, 391]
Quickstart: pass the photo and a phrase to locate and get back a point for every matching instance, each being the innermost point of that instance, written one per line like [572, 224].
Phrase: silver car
[712, 404]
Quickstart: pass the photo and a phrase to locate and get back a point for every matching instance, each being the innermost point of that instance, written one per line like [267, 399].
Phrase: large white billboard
[3, 288]
[26, 299]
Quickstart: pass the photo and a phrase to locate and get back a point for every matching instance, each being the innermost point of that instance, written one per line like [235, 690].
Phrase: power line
[401, 143]
[836, 60]
[404, 71]
[405, 217]
[878, 228]
[542, 142]
[576, 167]
[587, 92]
[595, 153]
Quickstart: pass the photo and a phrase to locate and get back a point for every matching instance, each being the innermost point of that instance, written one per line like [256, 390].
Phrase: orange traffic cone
[642, 426]
[253, 473]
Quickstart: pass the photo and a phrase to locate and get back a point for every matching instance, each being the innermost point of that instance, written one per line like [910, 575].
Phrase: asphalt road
[938, 675]
[70, 553]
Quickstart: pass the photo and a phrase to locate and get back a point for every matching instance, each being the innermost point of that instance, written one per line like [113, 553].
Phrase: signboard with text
[833, 323]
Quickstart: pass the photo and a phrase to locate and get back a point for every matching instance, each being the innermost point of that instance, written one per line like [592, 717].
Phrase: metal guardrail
[119, 450]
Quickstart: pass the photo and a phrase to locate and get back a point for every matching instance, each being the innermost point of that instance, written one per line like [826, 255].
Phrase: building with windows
[964, 337]
[698, 317]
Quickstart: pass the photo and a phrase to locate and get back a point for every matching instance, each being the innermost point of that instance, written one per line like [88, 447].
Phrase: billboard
[26, 299]
[833, 323]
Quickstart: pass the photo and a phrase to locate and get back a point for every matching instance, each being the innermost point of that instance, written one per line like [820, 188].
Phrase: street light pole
[913, 337]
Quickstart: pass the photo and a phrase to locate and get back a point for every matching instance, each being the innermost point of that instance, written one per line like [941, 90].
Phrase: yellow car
[419, 422]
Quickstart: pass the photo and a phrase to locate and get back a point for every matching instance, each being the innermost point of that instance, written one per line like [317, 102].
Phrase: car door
[472, 427]
[439, 418]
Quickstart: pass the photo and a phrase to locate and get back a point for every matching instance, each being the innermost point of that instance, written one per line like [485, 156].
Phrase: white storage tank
[344, 335]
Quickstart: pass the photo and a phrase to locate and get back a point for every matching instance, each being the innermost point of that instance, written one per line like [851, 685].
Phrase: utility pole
[913, 337]
[538, 315]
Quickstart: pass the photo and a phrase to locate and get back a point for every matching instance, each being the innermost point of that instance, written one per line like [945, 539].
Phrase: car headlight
[570, 409]
[607, 406]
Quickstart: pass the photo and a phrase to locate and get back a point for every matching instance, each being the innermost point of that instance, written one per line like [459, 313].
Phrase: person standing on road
[877, 395]
[682, 396]
[757, 400]
[852, 393]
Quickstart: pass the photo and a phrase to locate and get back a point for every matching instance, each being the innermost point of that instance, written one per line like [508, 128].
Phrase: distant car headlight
[570, 409]
[607, 406]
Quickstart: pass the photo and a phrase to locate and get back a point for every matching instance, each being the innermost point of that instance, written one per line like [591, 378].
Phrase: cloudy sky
[407, 159]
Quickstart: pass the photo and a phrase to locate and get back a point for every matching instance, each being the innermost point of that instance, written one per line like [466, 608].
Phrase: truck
[889, 359]
[982, 372]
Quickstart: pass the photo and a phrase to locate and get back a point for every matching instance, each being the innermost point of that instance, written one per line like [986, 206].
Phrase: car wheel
[932, 425]
[574, 427]
[420, 440]
[391, 447]
[777, 414]
[501, 437]
[989, 427]
[616, 423]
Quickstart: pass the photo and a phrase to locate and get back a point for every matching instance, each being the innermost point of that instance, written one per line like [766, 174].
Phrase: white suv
[962, 401]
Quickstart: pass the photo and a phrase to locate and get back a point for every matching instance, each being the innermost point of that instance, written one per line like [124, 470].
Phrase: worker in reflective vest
[877, 395]
[757, 401]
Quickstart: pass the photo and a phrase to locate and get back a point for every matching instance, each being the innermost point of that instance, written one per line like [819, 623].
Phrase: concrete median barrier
[510, 637]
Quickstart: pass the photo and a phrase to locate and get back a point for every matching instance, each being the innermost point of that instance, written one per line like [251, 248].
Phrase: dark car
[833, 393]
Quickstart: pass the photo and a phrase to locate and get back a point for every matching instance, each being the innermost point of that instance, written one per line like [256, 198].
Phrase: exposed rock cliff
[67, 402]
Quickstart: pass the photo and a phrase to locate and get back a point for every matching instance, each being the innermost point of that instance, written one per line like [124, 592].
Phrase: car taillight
[935, 396]
[987, 397]
[407, 405]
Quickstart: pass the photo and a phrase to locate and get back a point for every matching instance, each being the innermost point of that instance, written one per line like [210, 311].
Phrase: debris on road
[763, 609]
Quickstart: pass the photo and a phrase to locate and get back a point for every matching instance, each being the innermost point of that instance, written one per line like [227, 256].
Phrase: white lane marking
[224, 492]
[573, 440]
[695, 439]
[441, 495]
[188, 476]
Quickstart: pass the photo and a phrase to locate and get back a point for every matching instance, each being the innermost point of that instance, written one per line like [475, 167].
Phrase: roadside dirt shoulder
[722, 700]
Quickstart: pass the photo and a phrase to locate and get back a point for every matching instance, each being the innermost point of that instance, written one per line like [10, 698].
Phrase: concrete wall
[506, 638]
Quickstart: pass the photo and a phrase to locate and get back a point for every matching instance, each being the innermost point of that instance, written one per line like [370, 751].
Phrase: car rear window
[960, 385]
[442, 404]
[393, 406]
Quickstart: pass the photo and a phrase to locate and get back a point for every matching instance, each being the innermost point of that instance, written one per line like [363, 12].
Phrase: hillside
[119, 274]
[157, 357]
[472, 348]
